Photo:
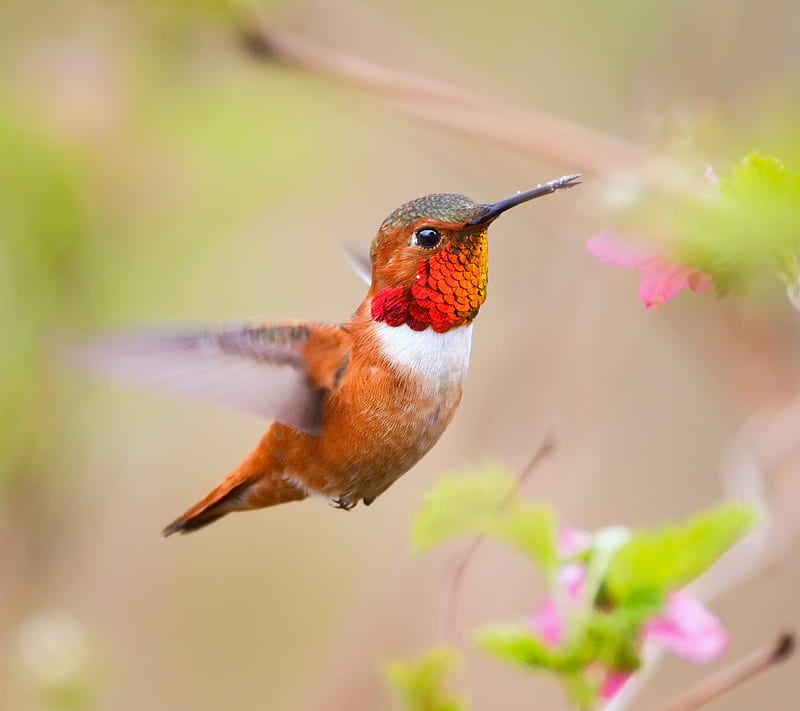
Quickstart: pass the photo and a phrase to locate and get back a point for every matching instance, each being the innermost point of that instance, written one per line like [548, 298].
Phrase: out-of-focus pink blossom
[613, 683]
[661, 277]
[573, 541]
[684, 627]
[547, 623]
[547, 620]
[688, 629]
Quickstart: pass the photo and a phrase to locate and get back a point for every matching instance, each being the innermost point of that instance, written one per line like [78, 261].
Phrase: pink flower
[684, 627]
[547, 619]
[573, 541]
[661, 277]
[613, 683]
[687, 629]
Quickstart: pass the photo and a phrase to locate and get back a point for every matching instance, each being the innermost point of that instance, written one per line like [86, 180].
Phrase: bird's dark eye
[427, 237]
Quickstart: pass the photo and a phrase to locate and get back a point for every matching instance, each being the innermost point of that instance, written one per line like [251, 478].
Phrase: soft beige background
[152, 173]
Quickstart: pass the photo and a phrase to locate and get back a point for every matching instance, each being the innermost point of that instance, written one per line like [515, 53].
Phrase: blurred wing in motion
[360, 262]
[261, 370]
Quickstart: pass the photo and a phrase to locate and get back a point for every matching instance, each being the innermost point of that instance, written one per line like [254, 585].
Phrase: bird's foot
[341, 503]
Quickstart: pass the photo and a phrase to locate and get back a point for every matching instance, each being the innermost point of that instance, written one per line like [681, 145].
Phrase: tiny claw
[368, 500]
[341, 503]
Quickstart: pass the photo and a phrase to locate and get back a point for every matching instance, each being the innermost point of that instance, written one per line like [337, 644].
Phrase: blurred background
[152, 171]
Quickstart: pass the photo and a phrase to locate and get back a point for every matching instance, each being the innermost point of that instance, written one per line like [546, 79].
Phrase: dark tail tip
[216, 505]
[187, 524]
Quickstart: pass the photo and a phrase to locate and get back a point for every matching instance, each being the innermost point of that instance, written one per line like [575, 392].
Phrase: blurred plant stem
[531, 133]
[733, 676]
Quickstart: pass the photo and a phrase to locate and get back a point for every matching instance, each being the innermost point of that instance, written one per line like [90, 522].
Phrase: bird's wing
[282, 372]
[360, 261]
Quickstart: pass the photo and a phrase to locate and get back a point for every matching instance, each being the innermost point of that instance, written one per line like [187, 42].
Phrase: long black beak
[496, 208]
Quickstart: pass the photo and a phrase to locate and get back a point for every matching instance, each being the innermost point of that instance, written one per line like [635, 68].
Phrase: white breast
[441, 359]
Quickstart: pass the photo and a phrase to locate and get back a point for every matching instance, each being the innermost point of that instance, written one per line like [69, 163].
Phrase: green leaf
[461, 504]
[608, 637]
[613, 638]
[514, 643]
[582, 691]
[663, 560]
[758, 177]
[485, 504]
[420, 684]
[532, 529]
[751, 230]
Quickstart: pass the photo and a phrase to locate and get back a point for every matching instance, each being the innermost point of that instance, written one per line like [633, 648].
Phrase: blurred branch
[734, 675]
[452, 595]
[438, 103]
[283, 47]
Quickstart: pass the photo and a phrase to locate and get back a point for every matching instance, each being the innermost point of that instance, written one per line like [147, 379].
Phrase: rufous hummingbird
[353, 405]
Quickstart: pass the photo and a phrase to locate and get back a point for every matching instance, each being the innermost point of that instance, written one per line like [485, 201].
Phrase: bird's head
[430, 258]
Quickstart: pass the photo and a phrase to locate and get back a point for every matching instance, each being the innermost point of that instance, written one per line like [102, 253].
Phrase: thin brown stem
[450, 615]
[292, 50]
[734, 675]
[438, 103]
[535, 134]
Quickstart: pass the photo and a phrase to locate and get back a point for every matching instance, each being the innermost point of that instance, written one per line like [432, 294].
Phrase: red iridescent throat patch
[448, 290]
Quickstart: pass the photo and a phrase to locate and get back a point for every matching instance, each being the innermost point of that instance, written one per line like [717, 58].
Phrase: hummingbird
[354, 405]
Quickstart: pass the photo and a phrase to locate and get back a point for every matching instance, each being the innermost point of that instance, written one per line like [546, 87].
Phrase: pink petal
[547, 623]
[571, 578]
[688, 629]
[573, 541]
[661, 278]
[613, 684]
[610, 249]
[699, 281]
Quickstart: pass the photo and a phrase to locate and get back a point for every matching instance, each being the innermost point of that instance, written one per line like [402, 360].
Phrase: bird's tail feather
[250, 486]
[219, 502]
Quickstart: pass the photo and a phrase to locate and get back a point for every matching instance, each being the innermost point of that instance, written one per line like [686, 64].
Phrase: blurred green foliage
[421, 684]
[742, 232]
[455, 506]
[752, 229]
[513, 643]
[653, 563]
[486, 504]
[45, 223]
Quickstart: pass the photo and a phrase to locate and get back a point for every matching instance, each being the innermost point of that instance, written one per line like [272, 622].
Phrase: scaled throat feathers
[447, 290]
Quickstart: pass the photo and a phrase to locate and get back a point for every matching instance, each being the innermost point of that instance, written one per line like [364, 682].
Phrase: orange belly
[377, 424]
